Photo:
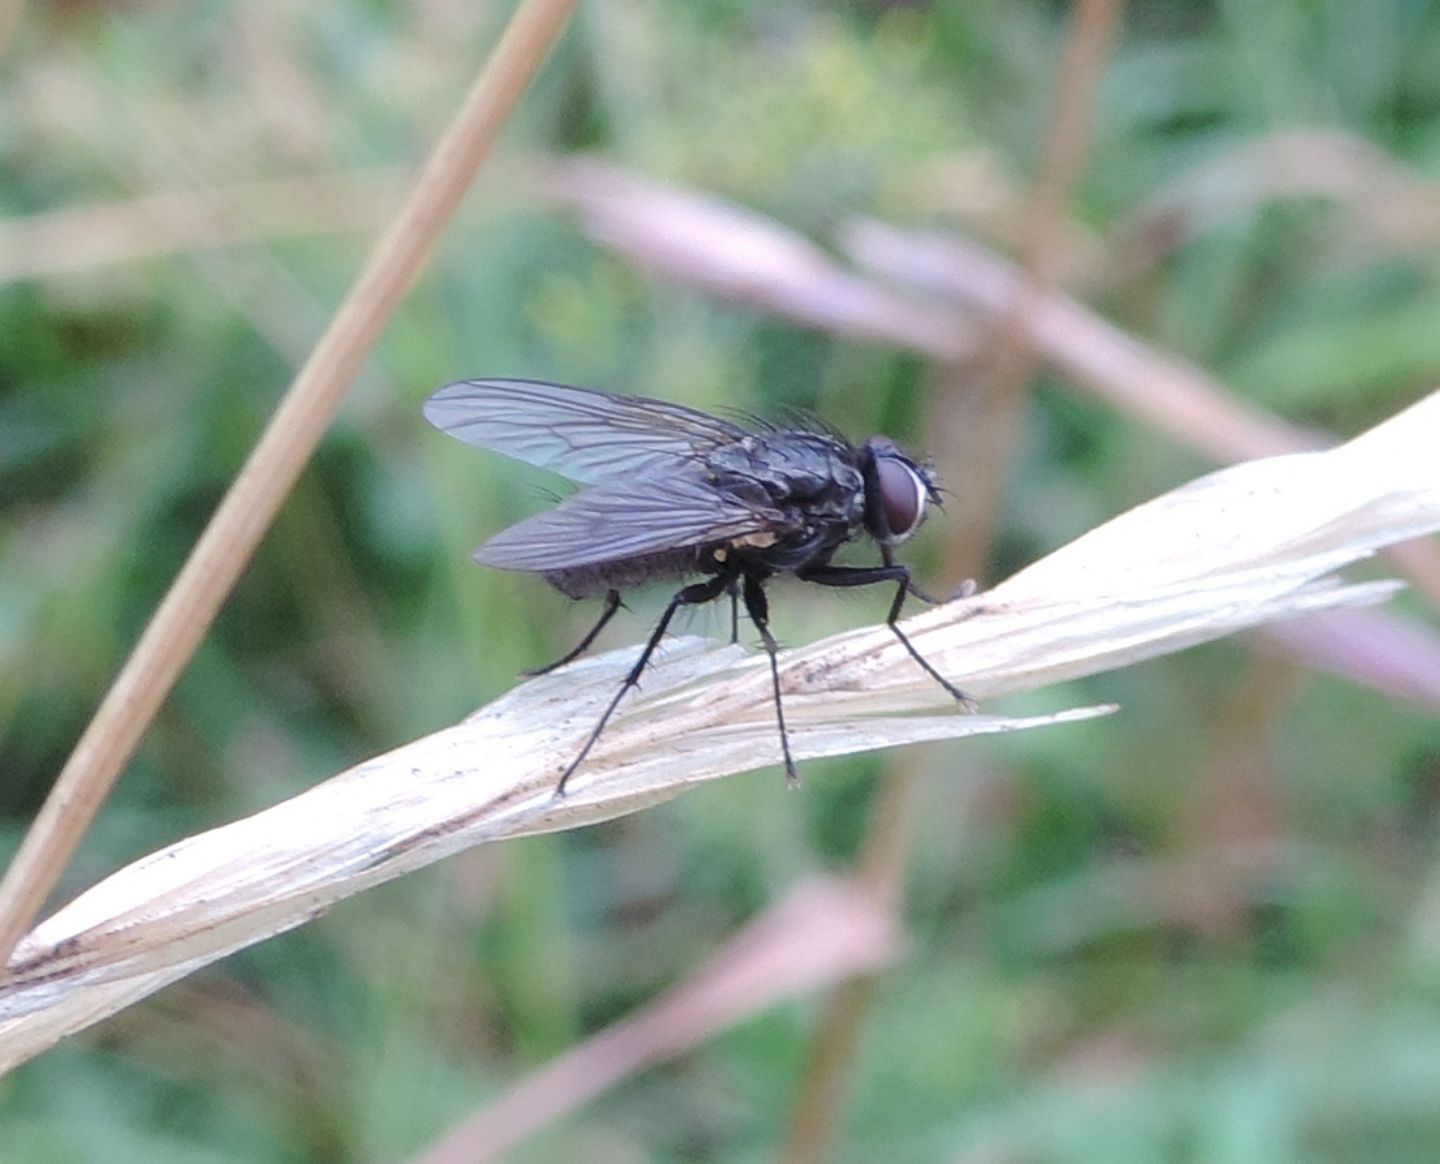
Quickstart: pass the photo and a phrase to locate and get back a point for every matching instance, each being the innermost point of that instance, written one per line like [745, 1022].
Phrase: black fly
[672, 493]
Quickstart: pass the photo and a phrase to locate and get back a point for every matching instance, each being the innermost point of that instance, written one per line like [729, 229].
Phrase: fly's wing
[587, 436]
[627, 519]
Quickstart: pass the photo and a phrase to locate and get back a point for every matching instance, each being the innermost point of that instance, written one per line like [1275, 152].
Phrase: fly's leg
[869, 576]
[694, 595]
[734, 592]
[612, 604]
[758, 607]
[892, 620]
[964, 590]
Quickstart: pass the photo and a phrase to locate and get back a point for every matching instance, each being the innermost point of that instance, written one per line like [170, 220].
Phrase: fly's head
[897, 490]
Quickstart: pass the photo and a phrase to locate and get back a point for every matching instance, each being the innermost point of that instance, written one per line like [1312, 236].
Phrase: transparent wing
[615, 520]
[584, 435]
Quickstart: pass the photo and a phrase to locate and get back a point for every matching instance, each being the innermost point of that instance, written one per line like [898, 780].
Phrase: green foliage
[1149, 938]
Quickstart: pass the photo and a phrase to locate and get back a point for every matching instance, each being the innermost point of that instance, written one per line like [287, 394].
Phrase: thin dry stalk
[1013, 358]
[10, 13]
[680, 234]
[881, 871]
[276, 461]
[1234, 804]
[990, 441]
[1168, 394]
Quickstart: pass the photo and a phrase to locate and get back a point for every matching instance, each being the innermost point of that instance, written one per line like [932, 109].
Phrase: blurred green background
[1205, 929]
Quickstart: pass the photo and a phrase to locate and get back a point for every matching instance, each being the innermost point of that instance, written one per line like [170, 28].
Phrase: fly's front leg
[964, 590]
[844, 576]
[892, 620]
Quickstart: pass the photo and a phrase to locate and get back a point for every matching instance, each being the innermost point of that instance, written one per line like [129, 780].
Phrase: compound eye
[902, 496]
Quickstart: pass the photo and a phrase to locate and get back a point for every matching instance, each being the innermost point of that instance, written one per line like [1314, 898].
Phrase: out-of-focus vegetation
[1205, 929]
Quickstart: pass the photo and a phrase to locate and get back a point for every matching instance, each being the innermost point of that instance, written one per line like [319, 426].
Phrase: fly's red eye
[902, 496]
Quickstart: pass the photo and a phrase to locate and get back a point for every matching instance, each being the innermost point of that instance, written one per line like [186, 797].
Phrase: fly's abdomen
[598, 577]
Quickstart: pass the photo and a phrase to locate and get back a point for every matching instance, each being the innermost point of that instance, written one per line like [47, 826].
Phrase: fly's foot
[967, 589]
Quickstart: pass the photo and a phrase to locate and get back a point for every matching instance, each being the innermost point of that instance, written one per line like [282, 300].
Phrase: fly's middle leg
[758, 607]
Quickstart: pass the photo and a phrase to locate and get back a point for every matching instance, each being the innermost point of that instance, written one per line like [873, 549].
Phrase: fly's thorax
[808, 477]
[811, 545]
[791, 465]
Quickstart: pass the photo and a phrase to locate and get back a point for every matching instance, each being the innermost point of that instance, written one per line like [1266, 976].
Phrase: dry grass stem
[986, 445]
[995, 397]
[1248, 544]
[1397, 656]
[682, 235]
[1169, 394]
[268, 475]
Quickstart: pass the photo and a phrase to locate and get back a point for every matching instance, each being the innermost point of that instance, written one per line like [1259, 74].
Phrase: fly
[671, 493]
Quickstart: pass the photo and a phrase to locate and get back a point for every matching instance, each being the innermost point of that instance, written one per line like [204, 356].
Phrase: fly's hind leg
[693, 595]
[612, 604]
[758, 607]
